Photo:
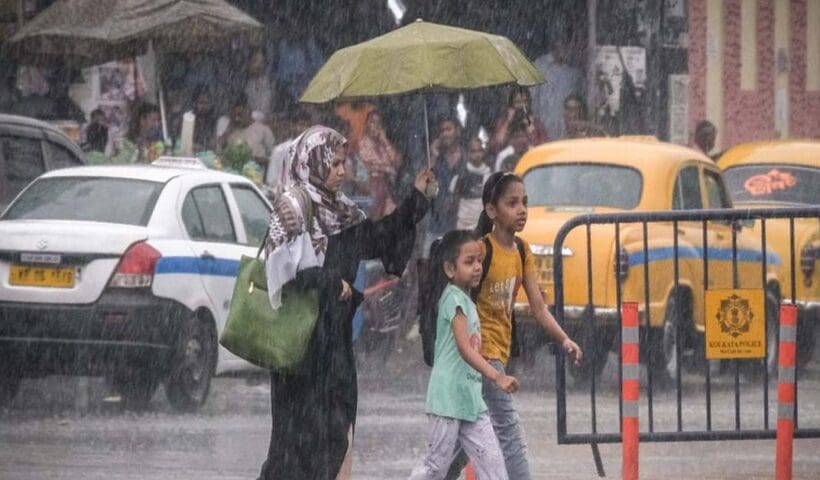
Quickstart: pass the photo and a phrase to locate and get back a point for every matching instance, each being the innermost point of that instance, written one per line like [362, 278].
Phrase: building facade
[754, 68]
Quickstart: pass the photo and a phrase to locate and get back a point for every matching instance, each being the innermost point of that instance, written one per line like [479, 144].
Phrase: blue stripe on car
[200, 266]
[668, 253]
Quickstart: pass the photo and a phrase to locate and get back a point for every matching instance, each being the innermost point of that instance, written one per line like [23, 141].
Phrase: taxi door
[216, 243]
[721, 272]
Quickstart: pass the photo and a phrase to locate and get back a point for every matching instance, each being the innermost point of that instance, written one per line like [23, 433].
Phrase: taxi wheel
[806, 339]
[136, 387]
[189, 381]
[665, 341]
[9, 385]
[754, 369]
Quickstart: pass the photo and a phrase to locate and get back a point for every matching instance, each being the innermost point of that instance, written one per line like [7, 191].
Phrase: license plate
[36, 276]
[543, 264]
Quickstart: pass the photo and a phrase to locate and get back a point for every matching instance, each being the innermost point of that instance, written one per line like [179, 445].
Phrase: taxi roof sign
[180, 162]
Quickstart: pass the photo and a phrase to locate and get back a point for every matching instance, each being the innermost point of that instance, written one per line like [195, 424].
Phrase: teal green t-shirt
[455, 387]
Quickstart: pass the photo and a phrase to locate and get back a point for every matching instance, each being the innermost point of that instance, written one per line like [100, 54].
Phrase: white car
[127, 272]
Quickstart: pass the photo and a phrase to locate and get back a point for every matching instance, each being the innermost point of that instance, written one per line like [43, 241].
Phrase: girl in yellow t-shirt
[505, 213]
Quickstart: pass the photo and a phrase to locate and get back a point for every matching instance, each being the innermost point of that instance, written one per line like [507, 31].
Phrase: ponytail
[494, 188]
[485, 224]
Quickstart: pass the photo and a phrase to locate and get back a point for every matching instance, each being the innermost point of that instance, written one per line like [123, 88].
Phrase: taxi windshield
[95, 199]
[774, 183]
[583, 185]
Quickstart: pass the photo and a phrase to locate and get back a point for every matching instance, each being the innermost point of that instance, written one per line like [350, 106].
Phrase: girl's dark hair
[494, 188]
[516, 91]
[446, 250]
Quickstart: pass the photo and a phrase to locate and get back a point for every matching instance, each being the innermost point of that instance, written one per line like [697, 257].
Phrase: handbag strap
[307, 205]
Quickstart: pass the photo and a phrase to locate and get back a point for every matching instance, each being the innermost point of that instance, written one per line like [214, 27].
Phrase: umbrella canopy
[89, 32]
[421, 56]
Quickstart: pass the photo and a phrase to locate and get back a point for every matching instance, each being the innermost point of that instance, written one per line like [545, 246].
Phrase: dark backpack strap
[520, 244]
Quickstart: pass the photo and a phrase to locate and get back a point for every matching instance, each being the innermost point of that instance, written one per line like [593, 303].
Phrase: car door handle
[206, 255]
[681, 231]
[719, 236]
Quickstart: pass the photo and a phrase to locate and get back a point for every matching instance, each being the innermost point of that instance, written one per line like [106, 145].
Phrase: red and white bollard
[786, 362]
[630, 389]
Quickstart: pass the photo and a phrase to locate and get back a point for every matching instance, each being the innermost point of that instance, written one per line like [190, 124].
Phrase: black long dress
[313, 411]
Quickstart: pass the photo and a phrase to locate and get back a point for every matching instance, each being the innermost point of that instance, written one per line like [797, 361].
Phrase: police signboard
[735, 323]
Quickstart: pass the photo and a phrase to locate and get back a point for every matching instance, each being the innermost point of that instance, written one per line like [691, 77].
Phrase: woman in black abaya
[314, 410]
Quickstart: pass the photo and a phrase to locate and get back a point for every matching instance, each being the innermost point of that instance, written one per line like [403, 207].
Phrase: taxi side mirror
[740, 224]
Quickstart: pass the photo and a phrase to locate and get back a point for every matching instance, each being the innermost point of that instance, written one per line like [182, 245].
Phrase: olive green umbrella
[421, 57]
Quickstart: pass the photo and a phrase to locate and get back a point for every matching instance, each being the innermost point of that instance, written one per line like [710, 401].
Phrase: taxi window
[687, 190]
[583, 185]
[94, 199]
[774, 183]
[715, 190]
[215, 223]
[60, 157]
[192, 219]
[254, 213]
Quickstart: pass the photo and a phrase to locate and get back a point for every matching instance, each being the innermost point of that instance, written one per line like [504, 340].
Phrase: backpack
[428, 305]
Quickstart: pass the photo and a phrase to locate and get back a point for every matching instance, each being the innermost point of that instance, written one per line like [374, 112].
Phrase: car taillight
[808, 255]
[136, 267]
[622, 265]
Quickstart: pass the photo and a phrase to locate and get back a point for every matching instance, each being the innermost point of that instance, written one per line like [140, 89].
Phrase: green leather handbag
[272, 339]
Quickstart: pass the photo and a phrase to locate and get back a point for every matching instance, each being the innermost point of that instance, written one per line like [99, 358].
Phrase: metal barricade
[688, 398]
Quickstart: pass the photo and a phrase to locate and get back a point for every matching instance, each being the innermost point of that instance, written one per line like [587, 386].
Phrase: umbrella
[90, 32]
[421, 57]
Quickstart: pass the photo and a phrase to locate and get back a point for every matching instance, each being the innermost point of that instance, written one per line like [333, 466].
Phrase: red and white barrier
[786, 362]
[630, 389]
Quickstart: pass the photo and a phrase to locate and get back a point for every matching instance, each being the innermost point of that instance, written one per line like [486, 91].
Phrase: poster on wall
[610, 63]
[679, 109]
[118, 83]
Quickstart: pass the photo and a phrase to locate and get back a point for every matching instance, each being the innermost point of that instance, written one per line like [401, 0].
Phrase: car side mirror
[740, 224]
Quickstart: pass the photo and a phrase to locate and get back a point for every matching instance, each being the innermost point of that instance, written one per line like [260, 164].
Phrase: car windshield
[96, 199]
[583, 185]
[773, 183]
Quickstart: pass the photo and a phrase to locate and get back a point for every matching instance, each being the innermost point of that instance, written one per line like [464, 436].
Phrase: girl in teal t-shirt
[456, 411]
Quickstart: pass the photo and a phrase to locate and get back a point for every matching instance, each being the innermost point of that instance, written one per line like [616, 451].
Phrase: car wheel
[9, 385]
[754, 369]
[189, 381]
[806, 339]
[665, 342]
[136, 387]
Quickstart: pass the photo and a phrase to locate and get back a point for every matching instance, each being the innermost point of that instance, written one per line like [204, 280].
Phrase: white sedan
[127, 272]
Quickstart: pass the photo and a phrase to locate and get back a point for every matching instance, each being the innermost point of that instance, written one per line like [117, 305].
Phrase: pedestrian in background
[705, 136]
[468, 185]
[576, 122]
[561, 81]
[382, 160]
[448, 158]
[520, 143]
[456, 412]
[519, 109]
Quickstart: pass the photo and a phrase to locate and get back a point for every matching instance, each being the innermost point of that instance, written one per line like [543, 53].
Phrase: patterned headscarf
[310, 163]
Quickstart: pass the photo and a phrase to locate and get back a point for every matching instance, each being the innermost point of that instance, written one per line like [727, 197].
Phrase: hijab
[292, 247]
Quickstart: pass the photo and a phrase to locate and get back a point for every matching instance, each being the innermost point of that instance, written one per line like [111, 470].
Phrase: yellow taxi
[780, 174]
[606, 175]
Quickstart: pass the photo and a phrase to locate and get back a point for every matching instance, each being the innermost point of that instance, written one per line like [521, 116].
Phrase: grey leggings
[477, 439]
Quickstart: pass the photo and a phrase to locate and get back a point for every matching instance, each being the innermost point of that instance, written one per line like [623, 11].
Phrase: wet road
[43, 436]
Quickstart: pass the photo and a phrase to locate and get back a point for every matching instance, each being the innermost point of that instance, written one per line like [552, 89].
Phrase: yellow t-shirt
[497, 297]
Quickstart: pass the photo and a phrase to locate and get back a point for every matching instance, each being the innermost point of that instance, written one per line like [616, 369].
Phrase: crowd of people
[253, 134]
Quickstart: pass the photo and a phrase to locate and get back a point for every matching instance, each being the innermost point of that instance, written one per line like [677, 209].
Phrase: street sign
[735, 323]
